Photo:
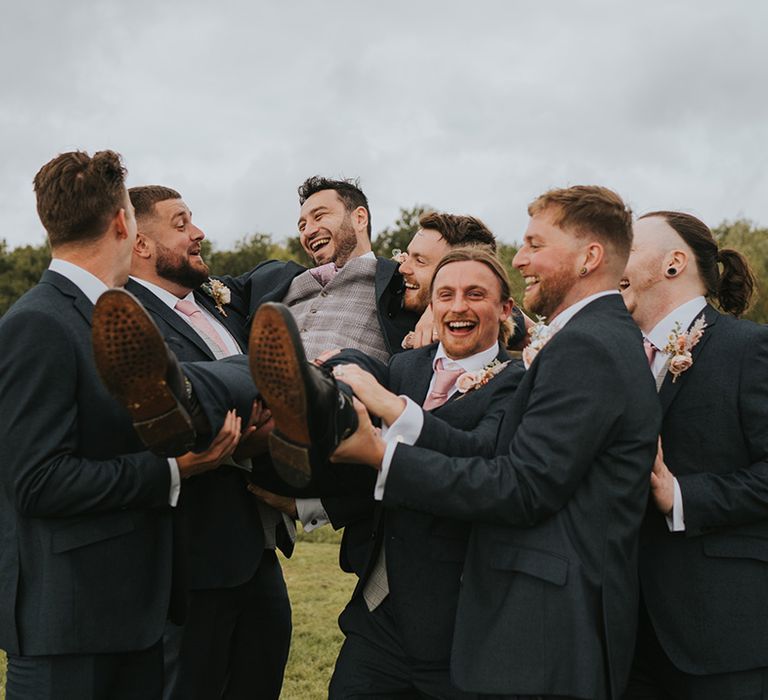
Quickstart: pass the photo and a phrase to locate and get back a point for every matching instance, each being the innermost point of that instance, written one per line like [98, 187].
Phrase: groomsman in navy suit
[85, 517]
[704, 545]
[238, 620]
[399, 623]
[548, 600]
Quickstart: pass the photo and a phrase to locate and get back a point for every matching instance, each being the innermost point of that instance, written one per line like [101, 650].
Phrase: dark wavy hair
[348, 190]
[78, 195]
[458, 230]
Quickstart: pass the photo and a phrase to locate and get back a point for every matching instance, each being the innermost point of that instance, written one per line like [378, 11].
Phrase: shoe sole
[131, 358]
[277, 361]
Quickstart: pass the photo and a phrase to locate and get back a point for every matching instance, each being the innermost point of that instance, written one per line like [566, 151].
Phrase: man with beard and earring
[704, 542]
[237, 626]
[548, 602]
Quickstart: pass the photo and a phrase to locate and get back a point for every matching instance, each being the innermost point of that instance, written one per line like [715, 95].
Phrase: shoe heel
[169, 434]
[291, 462]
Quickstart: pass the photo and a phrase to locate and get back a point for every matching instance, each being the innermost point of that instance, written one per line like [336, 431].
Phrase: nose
[196, 233]
[405, 266]
[521, 259]
[459, 303]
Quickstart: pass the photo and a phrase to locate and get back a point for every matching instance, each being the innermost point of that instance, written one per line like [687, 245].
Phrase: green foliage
[400, 233]
[248, 252]
[20, 269]
[505, 253]
[752, 242]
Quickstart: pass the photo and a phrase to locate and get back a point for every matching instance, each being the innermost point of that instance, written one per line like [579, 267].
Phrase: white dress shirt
[685, 314]
[93, 288]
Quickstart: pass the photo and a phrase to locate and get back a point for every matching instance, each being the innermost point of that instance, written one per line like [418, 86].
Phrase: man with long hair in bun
[704, 544]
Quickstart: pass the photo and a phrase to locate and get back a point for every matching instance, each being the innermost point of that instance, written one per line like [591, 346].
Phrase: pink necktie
[324, 273]
[202, 324]
[650, 351]
[444, 381]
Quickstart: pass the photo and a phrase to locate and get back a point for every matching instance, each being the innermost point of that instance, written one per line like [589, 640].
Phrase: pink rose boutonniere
[474, 380]
[680, 345]
[219, 292]
[540, 334]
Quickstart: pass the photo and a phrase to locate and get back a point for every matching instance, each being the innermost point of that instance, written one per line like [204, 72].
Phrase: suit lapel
[168, 315]
[416, 381]
[502, 356]
[79, 300]
[669, 389]
[229, 321]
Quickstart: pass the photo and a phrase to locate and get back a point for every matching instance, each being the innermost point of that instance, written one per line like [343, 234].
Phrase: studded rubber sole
[277, 362]
[131, 358]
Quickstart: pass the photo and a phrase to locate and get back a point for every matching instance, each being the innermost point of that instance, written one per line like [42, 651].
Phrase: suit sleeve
[480, 440]
[570, 413]
[715, 500]
[44, 471]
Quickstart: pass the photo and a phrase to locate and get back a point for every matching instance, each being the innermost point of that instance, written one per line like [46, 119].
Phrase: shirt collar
[86, 282]
[567, 314]
[683, 314]
[468, 364]
[164, 295]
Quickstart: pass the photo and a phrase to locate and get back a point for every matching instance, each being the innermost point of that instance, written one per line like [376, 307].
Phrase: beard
[345, 242]
[419, 301]
[552, 293]
[177, 269]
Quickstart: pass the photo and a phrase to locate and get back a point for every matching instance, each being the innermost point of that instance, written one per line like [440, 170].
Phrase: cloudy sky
[470, 107]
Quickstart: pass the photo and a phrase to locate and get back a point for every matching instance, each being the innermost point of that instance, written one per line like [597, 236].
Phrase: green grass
[319, 590]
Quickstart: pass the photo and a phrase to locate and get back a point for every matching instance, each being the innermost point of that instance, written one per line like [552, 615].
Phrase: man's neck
[177, 290]
[649, 318]
[97, 261]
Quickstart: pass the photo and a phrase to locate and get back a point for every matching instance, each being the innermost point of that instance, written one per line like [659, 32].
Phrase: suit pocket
[90, 531]
[736, 547]
[534, 562]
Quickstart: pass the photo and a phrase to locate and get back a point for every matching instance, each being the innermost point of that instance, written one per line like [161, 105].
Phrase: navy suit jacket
[705, 588]
[85, 526]
[548, 602]
[219, 524]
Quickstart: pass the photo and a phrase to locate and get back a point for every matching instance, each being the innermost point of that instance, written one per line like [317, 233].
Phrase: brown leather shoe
[311, 414]
[140, 372]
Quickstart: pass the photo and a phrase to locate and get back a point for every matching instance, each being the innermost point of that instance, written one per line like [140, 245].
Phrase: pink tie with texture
[444, 381]
[650, 351]
[203, 325]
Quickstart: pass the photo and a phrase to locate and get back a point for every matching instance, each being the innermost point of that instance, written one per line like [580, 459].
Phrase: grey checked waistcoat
[342, 314]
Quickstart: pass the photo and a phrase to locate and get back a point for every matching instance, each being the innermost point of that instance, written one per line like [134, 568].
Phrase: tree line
[21, 267]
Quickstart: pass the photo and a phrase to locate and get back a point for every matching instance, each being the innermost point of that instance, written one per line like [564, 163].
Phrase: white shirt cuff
[311, 513]
[408, 424]
[676, 521]
[173, 496]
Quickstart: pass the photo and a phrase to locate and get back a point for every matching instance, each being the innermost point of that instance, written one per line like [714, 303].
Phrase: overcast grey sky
[471, 107]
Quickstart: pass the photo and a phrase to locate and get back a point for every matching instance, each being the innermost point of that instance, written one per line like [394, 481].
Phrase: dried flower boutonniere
[540, 334]
[474, 380]
[399, 256]
[680, 345]
[219, 292]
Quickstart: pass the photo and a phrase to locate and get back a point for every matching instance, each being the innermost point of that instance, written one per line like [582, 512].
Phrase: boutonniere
[680, 345]
[469, 381]
[540, 334]
[399, 256]
[219, 292]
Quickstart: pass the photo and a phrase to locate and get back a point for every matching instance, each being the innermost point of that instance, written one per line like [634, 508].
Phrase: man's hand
[365, 445]
[222, 447]
[325, 355]
[378, 400]
[424, 333]
[662, 484]
[254, 439]
[286, 504]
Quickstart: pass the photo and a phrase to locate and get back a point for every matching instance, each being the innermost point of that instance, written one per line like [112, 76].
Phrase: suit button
[313, 311]
[313, 521]
[323, 293]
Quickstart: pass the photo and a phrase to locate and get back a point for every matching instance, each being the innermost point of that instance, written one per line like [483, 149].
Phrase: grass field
[319, 590]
